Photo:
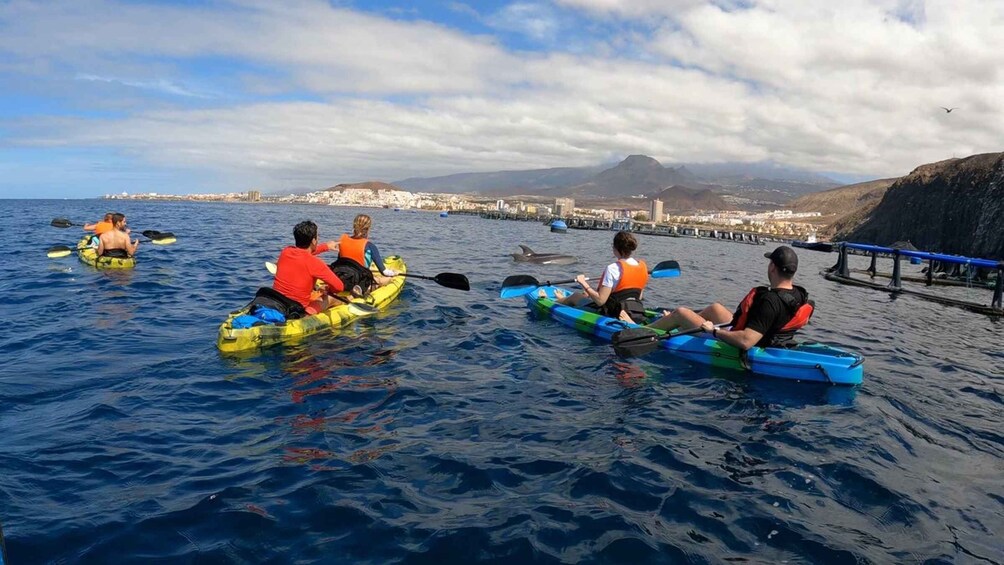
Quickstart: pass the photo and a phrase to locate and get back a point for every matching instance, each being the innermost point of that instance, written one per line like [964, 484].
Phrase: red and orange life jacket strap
[744, 310]
[800, 318]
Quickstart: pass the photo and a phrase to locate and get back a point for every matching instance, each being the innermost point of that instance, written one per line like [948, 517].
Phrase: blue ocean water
[455, 428]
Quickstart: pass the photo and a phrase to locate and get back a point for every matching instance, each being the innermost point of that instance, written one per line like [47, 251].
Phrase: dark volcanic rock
[954, 206]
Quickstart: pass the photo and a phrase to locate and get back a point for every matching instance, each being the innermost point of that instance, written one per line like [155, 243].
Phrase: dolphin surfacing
[529, 256]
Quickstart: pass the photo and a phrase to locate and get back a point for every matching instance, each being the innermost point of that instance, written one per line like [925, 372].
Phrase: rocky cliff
[953, 206]
[845, 206]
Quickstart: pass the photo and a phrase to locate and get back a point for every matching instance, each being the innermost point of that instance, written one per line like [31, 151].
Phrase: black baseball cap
[784, 258]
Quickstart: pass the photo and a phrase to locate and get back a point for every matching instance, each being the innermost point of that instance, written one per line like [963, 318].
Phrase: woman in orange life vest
[767, 317]
[620, 290]
[355, 255]
[105, 225]
[101, 227]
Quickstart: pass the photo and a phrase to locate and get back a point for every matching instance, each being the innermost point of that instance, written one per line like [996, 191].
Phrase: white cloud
[853, 87]
[534, 20]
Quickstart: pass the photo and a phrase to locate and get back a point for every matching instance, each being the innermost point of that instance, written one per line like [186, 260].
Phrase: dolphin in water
[529, 256]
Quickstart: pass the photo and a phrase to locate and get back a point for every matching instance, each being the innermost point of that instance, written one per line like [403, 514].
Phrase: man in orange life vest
[767, 317]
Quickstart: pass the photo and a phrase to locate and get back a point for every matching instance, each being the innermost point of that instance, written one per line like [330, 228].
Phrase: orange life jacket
[627, 292]
[354, 249]
[800, 312]
[102, 227]
[632, 276]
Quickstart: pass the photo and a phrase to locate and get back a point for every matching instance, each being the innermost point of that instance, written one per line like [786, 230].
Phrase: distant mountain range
[635, 176]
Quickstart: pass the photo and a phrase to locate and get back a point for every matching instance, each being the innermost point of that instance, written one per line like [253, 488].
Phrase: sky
[101, 96]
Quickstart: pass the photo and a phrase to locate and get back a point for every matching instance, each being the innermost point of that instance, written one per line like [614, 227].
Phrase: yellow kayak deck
[232, 339]
[89, 256]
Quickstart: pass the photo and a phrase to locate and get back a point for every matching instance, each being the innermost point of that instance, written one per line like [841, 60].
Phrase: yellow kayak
[89, 255]
[232, 339]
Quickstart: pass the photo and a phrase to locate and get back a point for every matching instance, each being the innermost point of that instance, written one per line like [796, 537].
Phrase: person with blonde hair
[355, 255]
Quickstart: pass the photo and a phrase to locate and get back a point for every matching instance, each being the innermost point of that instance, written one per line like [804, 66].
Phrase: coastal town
[647, 215]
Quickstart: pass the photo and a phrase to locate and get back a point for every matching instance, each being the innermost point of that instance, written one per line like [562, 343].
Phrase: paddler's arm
[375, 256]
[743, 339]
[325, 247]
[599, 297]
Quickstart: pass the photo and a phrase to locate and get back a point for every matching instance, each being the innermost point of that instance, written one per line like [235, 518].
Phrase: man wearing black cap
[767, 317]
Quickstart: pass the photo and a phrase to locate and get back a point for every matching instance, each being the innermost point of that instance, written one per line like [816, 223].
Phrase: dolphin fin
[527, 251]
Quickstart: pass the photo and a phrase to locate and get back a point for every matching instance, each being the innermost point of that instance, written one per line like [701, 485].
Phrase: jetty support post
[897, 283]
[872, 268]
[930, 272]
[842, 269]
[999, 287]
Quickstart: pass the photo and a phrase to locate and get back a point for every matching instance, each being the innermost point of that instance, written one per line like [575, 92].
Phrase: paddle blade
[453, 280]
[61, 223]
[163, 240]
[360, 309]
[58, 251]
[666, 269]
[518, 285]
[633, 342]
[272, 268]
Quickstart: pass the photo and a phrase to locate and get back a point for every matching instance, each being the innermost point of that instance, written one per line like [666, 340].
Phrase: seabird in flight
[948, 110]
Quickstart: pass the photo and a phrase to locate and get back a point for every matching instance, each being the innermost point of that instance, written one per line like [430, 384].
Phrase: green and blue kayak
[813, 362]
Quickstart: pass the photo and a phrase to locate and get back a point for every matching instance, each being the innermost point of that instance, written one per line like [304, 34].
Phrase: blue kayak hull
[811, 362]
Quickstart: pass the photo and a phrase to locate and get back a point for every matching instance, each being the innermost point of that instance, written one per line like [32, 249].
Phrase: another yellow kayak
[232, 339]
[89, 255]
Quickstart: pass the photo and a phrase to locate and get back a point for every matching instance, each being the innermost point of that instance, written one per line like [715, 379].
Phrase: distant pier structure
[634, 226]
[841, 273]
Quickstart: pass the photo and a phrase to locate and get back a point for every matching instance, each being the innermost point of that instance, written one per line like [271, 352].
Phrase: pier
[841, 272]
[626, 224]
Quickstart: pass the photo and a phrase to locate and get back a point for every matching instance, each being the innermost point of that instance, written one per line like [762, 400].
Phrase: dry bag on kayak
[268, 297]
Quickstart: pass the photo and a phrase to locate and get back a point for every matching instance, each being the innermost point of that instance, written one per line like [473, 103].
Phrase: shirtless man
[115, 243]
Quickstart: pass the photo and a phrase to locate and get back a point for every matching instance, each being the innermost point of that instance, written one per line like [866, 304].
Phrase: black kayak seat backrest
[116, 253]
[271, 298]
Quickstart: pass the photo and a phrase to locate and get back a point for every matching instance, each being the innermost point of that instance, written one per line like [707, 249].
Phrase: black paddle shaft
[633, 342]
[455, 281]
[527, 280]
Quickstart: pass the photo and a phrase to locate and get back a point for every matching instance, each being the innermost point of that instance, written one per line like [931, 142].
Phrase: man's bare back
[117, 238]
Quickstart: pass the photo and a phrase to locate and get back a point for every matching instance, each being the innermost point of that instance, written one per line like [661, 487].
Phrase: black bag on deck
[352, 273]
[271, 298]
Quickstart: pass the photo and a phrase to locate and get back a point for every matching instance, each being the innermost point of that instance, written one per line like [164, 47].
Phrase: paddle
[155, 237]
[519, 285]
[633, 342]
[449, 280]
[357, 308]
[455, 281]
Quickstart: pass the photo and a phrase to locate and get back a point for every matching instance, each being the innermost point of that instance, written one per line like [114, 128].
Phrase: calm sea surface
[454, 428]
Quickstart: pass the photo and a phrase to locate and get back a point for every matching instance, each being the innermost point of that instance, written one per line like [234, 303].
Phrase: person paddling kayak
[620, 290]
[115, 242]
[766, 317]
[102, 226]
[355, 255]
[298, 267]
